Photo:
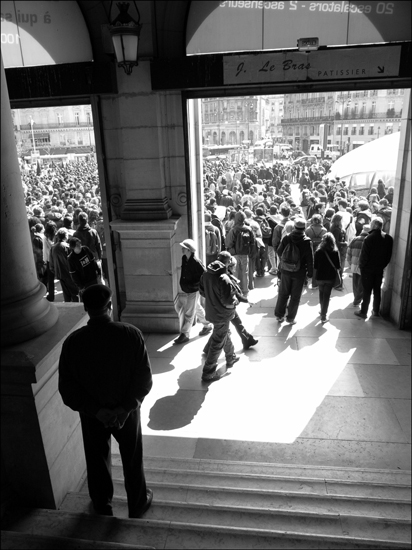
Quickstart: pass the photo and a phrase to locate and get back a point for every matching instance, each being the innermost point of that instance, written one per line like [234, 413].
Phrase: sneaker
[280, 319]
[205, 330]
[251, 342]
[324, 319]
[211, 377]
[271, 272]
[340, 288]
[291, 321]
[359, 314]
[181, 339]
[144, 509]
[230, 362]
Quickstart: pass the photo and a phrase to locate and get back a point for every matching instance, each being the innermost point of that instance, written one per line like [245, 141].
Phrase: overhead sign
[319, 65]
[221, 27]
[43, 33]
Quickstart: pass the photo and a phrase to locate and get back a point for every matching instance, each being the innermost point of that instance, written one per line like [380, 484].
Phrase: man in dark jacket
[59, 264]
[374, 257]
[83, 267]
[104, 374]
[88, 236]
[220, 304]
[187, 304]
[291, 282]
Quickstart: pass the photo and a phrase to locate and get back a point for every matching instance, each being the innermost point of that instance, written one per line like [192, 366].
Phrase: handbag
[338, 281]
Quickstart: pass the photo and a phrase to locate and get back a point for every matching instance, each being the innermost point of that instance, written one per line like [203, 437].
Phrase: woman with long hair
[327, 264]
[340, 238]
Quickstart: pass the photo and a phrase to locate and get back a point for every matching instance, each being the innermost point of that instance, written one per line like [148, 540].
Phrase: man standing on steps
[105, 373]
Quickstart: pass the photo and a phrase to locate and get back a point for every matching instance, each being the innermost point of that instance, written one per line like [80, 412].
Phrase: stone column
[25, 314]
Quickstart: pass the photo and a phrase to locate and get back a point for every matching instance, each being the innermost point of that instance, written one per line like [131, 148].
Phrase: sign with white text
[230, 26]
[320, 65]
[43, 33]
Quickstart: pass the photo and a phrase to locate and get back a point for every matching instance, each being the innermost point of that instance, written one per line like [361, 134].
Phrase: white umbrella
[365, 165]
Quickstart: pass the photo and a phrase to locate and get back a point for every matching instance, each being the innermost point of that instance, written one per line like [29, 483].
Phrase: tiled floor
[336, 395]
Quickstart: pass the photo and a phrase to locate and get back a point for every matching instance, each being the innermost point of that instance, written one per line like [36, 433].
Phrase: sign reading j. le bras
[319, 65]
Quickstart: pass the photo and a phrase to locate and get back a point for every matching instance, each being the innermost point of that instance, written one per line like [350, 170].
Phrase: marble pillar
[25, 313]
[150, 270]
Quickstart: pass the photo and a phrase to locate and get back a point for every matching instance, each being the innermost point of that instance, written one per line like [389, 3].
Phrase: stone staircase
[221, 504]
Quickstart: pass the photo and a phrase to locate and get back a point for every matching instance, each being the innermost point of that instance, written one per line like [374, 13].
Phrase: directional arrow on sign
[381, 69]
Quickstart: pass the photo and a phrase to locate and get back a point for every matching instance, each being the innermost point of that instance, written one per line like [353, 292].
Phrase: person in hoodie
[211, 254]
[188, 306]
[291, 283]
[220, 305]
[88, 237]
[375, 255]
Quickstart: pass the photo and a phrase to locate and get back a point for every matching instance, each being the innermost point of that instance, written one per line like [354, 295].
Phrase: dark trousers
[325, 290]
[70, 290]
[291, 284]
[219, 340]
[48, 281]
[371, 282]
[260, 261]
[97, 448]
[240, 329]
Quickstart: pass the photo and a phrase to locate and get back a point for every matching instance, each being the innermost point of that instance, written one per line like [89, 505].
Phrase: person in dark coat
[375, 255]
[291, 283]
[105, 374]
[326, 264]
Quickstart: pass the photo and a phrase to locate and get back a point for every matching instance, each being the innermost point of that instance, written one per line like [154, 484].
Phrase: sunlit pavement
[337, 394]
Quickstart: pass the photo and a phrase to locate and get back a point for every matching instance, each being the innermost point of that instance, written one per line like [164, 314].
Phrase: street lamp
[343, 100]
[32, 135]
[125, 33]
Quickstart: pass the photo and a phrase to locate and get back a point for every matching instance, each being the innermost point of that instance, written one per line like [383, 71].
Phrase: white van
[315, 149]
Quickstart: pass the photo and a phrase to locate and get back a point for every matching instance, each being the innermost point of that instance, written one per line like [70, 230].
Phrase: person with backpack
[213, 241]
[266, 231]
[241, 242]
[385, 212]
[315, 232]
[296, 262]
[326, 264]
[363, 216]
[187, 305]
[353, 255]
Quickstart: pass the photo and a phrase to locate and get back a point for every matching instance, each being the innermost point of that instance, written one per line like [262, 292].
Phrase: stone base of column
[151, 317]
[42, 445]
[27, 318]
[146, 209]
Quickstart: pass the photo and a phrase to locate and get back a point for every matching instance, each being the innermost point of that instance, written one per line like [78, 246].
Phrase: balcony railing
[53, 126]
[345, 116]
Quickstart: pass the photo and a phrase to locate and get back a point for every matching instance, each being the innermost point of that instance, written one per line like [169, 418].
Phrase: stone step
[171, 534]
[301, 501]
[273, 483]
[11, 540]
[331, 524]
[367, 475]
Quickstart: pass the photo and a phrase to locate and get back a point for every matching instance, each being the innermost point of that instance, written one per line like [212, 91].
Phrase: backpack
[264, 227]
[290, 260]
[244, 241]
[212, 243]
[350, 231]
[316, 238]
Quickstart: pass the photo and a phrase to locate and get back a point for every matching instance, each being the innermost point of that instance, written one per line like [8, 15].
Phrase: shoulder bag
[338, 281]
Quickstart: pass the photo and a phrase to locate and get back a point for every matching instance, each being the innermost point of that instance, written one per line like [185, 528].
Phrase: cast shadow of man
[176, 411]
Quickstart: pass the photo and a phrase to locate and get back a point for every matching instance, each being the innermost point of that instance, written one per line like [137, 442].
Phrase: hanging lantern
[125, 33]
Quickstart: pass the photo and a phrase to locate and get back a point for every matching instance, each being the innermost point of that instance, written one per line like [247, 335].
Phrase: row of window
[354, 130]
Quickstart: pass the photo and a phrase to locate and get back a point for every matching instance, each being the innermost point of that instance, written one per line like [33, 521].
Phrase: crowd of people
[289, 221]
[65, 219]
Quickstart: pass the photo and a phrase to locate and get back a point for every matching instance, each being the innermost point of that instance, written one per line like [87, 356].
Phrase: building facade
[349, 119]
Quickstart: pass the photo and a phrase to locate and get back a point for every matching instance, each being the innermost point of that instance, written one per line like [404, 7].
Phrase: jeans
[187, 306]
[240, 329]
[325, 290]
[291, 284]
[96, 439]
[357, 288]
[252, 264]
[242, 272]
[70, 290]
[219, 340]
[371, 281]
[272, 258]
